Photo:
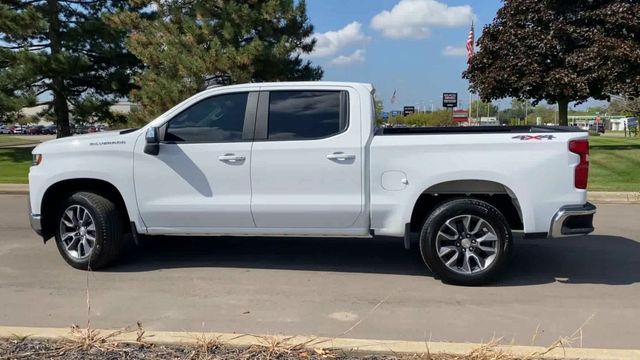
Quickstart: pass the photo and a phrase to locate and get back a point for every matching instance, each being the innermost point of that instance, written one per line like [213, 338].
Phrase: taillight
[581, 147]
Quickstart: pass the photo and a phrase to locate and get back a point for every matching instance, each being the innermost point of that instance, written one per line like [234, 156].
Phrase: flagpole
[470, 51]
[470, 101]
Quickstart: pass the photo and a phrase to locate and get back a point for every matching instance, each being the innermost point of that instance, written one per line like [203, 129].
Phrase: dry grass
[88, 343]
[205, 345]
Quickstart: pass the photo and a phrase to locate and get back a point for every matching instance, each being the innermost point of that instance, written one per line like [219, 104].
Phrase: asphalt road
[332, 287]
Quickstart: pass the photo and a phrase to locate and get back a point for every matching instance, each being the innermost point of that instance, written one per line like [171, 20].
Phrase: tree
[436, 118]
[545, 113]
[379, 108]
[625, 106]
[186, 45]
[559, 51]
[63, 53]
[517, 112]
[481, 108]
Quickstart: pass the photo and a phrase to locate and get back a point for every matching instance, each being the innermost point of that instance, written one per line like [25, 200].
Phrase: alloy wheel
[467, 244]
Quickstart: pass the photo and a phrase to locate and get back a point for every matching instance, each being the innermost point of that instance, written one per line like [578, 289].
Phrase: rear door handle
[340, 156]
[232, 158]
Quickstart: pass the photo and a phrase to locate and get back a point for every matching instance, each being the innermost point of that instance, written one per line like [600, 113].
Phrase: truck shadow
[596, 259]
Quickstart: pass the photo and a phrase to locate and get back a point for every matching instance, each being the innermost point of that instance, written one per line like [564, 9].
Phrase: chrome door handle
[340, 156]
[231, 158]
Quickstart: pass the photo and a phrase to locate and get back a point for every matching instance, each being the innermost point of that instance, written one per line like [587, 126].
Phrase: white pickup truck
[306, 159]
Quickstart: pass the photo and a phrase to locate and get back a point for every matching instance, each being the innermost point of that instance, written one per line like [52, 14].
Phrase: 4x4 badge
[534, 137]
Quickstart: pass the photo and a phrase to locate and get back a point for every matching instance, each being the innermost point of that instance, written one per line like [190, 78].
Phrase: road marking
[361, 345]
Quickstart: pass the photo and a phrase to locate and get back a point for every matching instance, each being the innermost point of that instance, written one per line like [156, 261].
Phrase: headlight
[36, 159]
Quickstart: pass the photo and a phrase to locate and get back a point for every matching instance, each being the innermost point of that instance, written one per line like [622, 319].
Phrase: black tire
[460, 207]
[108, 231]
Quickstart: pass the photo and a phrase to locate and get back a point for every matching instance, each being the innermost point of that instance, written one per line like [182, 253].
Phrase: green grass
[615, 164]
[14, 165]
[8, 140]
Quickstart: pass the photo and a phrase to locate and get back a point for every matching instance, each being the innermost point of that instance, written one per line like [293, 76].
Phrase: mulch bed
[20, 348]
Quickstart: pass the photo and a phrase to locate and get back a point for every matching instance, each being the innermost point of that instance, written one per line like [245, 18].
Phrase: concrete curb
[14, 189]
[614, 197]
[598, 197]
[358, 345]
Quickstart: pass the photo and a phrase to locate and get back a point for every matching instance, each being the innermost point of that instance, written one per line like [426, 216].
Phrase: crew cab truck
[306, 159]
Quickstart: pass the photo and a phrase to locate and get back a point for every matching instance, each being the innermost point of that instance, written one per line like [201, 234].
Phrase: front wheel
[89, 231]
[465, 242]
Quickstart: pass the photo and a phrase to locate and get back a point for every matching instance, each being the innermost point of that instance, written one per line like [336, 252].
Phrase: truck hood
[81, 141]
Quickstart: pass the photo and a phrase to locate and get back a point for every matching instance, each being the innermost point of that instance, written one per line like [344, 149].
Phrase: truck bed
[475, 130]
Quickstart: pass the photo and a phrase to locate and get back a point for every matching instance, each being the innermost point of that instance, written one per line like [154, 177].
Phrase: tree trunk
[563, 112]
[60, 106]
[61, 111]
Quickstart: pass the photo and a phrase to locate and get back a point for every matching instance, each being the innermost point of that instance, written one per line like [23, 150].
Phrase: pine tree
[65, 54]
[559, 51]
[186, 44]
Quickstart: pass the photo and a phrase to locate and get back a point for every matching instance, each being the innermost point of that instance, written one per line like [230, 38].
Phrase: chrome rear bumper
[573, 220]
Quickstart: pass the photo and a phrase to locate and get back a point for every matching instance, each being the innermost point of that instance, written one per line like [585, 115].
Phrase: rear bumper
[573, 220]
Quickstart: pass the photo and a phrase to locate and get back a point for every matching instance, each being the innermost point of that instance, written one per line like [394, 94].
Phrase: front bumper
[36, 223]
[34, 219]
[573, 220]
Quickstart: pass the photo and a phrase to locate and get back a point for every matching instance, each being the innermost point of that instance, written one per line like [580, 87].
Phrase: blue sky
[399, 45]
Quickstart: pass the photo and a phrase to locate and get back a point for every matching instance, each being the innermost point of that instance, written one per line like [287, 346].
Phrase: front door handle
[340, 156]
[232, 158]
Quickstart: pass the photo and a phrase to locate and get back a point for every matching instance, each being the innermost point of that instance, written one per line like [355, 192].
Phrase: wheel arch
[496, 194]
[59, 191]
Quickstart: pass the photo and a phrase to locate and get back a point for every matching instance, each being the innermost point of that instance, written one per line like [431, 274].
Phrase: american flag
[393, 97]
[470, 44]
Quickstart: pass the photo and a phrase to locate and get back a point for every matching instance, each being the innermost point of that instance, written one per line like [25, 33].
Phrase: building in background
[34, 117]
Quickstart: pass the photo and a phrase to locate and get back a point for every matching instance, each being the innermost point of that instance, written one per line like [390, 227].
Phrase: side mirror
[152, 139]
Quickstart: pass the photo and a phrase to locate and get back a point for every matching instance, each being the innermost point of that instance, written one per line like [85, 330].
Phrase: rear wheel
[465, 242]
[89, 232]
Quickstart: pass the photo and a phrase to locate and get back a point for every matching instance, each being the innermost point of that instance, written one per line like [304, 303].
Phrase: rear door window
[300, 115]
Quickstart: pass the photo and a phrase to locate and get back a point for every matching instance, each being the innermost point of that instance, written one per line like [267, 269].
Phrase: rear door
[306, 167]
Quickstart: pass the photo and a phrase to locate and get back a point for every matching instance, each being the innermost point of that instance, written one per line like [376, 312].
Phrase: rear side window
[215, 119]
[299, 115]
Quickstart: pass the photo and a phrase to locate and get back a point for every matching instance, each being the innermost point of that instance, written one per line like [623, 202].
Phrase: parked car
[4, 129]
[92, 129]
[34, 130]
[17, 129]
[78, 129]
[49, 130]
[302, 159]
[597, 127]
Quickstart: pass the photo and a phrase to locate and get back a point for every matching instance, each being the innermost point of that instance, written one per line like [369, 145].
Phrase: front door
[200, 180]
[307, 165]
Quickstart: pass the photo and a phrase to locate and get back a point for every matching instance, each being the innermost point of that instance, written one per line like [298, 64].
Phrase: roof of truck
[299, 83]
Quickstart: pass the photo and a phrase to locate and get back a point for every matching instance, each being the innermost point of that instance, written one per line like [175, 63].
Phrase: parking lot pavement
[357, 288]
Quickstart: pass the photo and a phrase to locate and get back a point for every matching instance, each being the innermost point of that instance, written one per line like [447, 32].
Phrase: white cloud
[454, 51]
[355, 58]
[413, 19]
[330, 42]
